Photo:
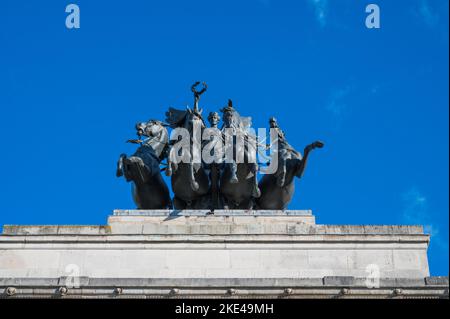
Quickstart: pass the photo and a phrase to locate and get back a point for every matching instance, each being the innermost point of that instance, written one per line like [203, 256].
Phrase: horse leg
[251, 204]
[169, 171]
[194, 184]
[119, 171]
[256, 192]
[225, 203]
[214, 177]
[234, 179]
[235, 205]
[306, 154]
[142, 171]
[178, 203]
[281, 173]
[171, 166]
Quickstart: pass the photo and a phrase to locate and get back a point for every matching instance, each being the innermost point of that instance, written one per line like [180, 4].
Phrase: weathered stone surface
[339, 281]
[55, 230]
[189, 213]
[243, 245]
[438, 281]
[329, 287]
[222, 222]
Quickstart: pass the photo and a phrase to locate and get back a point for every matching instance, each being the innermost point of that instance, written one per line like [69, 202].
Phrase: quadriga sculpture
[197, 183]
[190, 182]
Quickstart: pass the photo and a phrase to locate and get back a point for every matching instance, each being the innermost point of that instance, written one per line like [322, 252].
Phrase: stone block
[345, 281]
[437, 281]
[269, 245]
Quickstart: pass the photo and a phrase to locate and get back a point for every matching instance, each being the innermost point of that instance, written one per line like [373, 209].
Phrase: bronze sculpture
[229, 180]
[190, 182]
[278, 189]
[238, 181]
[142, 169]
[215, 167]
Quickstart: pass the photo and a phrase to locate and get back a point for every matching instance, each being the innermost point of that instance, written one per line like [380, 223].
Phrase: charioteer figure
[216, 166]
[285, 150]
[231, 123]
[214, 119]
[239, 182]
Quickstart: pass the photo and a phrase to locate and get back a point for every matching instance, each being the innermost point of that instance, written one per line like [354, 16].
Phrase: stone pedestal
[273, 252]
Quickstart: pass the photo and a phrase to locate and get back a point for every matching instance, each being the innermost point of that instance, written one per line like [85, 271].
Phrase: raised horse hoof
[119, 170]
[318, 144]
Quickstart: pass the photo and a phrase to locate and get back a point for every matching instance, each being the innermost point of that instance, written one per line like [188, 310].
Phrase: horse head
[156, 134]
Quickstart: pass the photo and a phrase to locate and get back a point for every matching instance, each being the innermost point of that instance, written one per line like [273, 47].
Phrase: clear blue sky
[378, 98]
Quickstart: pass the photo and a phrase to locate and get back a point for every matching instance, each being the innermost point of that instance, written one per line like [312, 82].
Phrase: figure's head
[214, 119]
[228, 113]
[273, 122]
[194, 118]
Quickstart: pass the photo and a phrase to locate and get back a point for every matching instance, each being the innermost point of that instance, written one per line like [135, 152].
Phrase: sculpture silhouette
[142, 169]
[238, 181]
[227, 182]
[276, 192]
[190, 182]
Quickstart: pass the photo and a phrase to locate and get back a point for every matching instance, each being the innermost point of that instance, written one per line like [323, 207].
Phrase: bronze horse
[238, 181]
[142, 169]
[276, 195]
[190, 182]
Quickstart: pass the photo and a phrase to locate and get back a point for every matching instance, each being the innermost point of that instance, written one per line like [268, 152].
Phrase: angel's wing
[175, 117]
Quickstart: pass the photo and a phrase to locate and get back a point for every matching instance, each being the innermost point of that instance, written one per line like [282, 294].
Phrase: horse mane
[159, 145]
[177, 118]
